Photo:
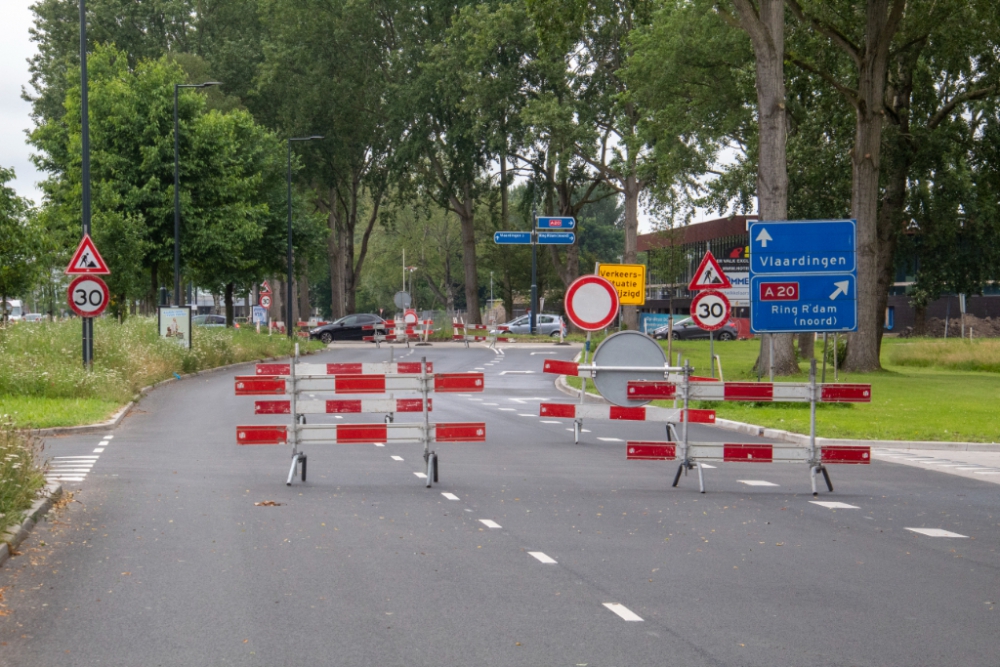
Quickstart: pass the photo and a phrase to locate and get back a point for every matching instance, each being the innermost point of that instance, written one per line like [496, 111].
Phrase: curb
[800, 439]
[117, 418]
[14, 536]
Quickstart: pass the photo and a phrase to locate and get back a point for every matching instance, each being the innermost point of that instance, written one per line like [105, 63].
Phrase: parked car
[34, 317]
[350, 327]
[547, 325]
[686, 329]
[15, 311]
[209, 320]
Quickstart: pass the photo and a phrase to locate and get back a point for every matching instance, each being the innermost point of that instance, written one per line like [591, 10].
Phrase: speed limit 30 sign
[88, 296]
[710, 310]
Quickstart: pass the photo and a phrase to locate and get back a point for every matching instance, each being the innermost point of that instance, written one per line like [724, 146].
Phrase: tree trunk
[920, 320]
[229, 304]
[767, 35]
[881, 25]
[278, 300]
[807, 344]
[630, 314]
[468, 222]
[336, 265]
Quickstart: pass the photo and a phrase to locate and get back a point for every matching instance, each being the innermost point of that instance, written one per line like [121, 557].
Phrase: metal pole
[288, 259]
[824, 356]
[770, 357]
[711, 351]
[533, 318]
[813, 460]
[836, 359]
[88, 323]
[175, 300]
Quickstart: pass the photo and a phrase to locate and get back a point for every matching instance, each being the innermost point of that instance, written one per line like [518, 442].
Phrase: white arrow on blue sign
[803, 276]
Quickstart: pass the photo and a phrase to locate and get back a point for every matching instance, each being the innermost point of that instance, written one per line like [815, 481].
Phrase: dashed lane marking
[936, 532]
[517, 372]
[508, 409]
[546, 421]
[707, 465]
[756, 482]
[450, 496]
[379, 444]
[98, 450]
[611, 440]
[834, 505]
[490, 524]
[479, 368]
[624, 612]
[397, 458]
[421, 475]
[548, 560]
[525, 414]
[493, 405]
[582, 430]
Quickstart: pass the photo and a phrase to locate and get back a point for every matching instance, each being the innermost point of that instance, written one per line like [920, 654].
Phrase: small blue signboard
[259, 315]
[504, 238]
[556, 223]
[803, 276]
[556, 238]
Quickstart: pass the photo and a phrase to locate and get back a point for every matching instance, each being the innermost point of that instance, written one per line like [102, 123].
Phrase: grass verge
[20, 476]
[929, 390]
[43, 384]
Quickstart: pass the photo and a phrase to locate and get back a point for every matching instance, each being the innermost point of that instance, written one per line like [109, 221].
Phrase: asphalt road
[163, 558]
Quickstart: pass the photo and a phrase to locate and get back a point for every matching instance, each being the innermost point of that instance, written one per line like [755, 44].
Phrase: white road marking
[108, 437]
[421, 475]
[450, 496]
[490, 524]
[986, 472]
[337, 417]
[970, 468]
[493, 405]
[548, 560]
[707, 465]
[546, 421]
[475, 399]
[98, 450]
[517, 372]
[534, 353]
[61, 478]
[465, 395]
[65, 458]
[526, 414]
[936, 532]
[582, 430]
[479, 368]
[379, 444]
[756, 482]
[508, 409]
[611, 440]
[623, 611]
[397, 458]
[834, 505]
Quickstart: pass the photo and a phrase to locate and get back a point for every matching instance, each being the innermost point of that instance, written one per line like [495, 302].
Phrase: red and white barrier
[286, 379]
[616, 412]
[559, 367]
[642, 450]
[479, 333]
[764, 392]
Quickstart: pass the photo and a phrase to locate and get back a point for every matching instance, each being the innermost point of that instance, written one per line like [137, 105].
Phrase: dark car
[351, 327]
[686, 329]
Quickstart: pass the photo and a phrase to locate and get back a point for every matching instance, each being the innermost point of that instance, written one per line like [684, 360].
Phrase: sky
[15, 49]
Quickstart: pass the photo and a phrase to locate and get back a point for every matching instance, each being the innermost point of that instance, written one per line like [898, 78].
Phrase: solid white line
[421, 475]
[490, 524]
[397, 458]
[936, 532]
[611, 440]
[834, 505]
[986, 472]
[546, 421]
[756, 482]
[542, 557]
[98, 450]
[623, 611]
[450, 496]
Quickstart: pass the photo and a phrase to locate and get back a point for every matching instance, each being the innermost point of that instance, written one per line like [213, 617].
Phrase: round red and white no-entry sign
[710, 310]
[88, 296]
[591, 303]
[410, 316]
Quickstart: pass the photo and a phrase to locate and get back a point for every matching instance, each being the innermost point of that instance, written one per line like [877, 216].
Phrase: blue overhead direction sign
[556, 238]
[797, 247]
[505, 238]
[803, 276]
[804, 303]
[556, 223]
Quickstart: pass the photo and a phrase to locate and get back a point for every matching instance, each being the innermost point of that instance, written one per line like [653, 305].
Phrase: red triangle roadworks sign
[86, 260]
[709, 275]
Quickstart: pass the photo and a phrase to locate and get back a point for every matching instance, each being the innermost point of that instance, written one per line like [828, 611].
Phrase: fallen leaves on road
[267, 503]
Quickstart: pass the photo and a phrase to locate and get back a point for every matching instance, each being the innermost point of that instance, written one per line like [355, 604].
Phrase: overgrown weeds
[954, 354]
[21, 474]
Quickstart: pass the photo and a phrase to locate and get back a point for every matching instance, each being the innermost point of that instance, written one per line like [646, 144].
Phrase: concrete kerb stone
[121, 414]
[10, 540]
[800, 439]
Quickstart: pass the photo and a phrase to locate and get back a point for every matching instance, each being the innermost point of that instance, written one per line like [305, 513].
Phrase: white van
[15, 311]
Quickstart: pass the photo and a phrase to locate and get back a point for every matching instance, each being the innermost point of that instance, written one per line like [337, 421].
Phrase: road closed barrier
[630, 372]
[294, 379]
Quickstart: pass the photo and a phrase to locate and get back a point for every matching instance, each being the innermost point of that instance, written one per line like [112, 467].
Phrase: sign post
[88, 295]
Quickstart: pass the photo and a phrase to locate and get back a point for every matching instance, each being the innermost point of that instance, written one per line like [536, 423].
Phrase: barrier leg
[577, 427]
[435, 457]
[677, 477]
[812, 478]
[701, 478]
[431, 478]
[826, 476]
[304, 459]
[291, 471]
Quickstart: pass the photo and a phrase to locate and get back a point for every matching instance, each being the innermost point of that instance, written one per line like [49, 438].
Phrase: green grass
[20, 474]
[43, 383]
[923, 393]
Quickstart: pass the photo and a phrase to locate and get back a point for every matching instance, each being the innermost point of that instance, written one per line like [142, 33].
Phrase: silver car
[547, 325]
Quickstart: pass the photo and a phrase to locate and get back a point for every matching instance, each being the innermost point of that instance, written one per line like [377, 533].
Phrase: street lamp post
[177, 189]
[88, 322]
[288, 284]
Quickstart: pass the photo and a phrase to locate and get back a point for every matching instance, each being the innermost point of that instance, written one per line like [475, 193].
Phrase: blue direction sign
[556, 223]
[512, 238]
[556, 238]
[803, 276]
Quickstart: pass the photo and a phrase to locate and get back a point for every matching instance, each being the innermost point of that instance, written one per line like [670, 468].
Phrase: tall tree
[20, 245]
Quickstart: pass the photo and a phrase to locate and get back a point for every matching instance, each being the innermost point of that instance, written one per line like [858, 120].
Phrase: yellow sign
[629, 281]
